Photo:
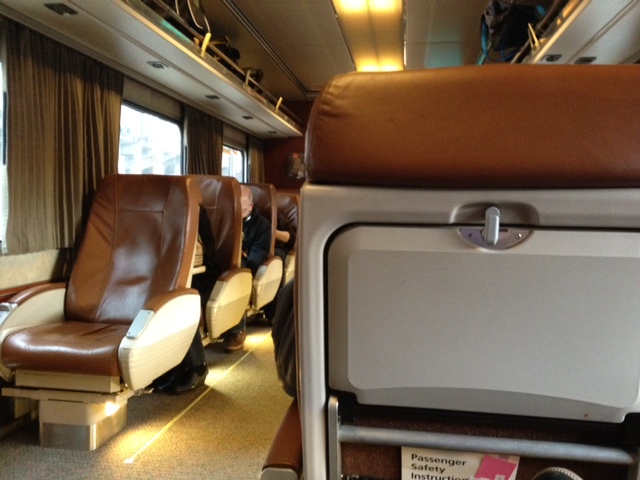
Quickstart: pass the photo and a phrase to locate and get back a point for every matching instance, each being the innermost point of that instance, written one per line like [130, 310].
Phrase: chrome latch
[491, 236]
[491, 232]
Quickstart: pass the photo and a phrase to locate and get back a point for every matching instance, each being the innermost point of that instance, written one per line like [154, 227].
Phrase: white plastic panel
[417, 317]
[606, 30]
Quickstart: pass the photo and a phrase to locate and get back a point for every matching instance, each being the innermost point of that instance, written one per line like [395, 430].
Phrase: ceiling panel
[435, 55]
[442, 33]
[299, 45]
[129, 40]
[225, 22]
[305, 38]
[303, 35]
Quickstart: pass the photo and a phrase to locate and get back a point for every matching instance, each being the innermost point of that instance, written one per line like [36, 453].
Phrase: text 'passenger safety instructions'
[430, 464]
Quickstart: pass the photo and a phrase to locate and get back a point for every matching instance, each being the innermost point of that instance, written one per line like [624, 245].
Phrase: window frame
[245, 162]
[178, 123]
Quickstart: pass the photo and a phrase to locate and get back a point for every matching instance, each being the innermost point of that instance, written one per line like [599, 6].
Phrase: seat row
[80, 349]
[235, 293]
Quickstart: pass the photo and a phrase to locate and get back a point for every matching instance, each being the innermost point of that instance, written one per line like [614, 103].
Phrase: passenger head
[246, 198]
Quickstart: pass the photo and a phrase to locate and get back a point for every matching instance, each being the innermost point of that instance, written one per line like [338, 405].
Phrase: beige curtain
[255, 148]
[63, 124]
[204, 143]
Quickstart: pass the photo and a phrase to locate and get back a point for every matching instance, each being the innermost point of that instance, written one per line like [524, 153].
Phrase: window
[233, 163]
[149, 143]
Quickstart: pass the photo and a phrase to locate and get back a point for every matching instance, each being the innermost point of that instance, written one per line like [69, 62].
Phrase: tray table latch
[491, 236]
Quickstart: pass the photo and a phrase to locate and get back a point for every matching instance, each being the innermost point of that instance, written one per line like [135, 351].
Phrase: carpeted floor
[221, 431]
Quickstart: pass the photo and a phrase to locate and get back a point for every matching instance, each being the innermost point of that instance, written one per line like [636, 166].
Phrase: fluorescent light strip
[374, 33]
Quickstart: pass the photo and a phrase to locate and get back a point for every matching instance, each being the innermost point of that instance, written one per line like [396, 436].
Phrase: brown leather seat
[126, 316]
[269, 275]
[288, 211]
[284, 460]
[230, 283]
[288, 208]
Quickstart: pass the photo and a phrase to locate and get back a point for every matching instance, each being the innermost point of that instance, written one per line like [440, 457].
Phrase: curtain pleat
[204, 143]
[63, 124]
[255, 148]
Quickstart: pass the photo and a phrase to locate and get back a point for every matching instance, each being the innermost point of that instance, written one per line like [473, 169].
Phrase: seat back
[117, 272]
[126, 316]
[454, 276]
[226, 284]
[265, 198]
[288, 208]
[221, 203]
[135, 257]
[268, 278]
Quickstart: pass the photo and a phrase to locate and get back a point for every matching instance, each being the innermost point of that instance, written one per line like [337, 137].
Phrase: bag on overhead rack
[505, 24]
[185, 16]
[192, 12]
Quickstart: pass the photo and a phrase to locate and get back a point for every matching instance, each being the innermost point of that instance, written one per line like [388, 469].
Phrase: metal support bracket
[491, 236]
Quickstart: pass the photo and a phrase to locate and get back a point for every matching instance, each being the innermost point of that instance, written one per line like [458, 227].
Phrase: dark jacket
[284, 339]
[205, 281]
[284, 226]
[256, 240]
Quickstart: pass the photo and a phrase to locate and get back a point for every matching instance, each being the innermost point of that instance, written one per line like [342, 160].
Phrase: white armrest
[140, 324]
[289, 267]
[36, 306]
[266, 282]
[228, 301]
[159, 338]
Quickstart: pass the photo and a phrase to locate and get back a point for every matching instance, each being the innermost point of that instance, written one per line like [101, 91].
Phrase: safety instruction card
[430, 464]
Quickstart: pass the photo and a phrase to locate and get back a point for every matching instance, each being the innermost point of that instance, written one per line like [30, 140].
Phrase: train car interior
[448, 291]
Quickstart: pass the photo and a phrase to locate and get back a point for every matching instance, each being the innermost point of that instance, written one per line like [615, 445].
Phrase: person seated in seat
[285, 241]
[192, 371]
[285, 238]
[256, 246]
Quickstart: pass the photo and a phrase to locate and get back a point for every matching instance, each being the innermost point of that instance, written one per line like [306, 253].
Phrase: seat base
[15, 413]
[76, 420]
[84, 436]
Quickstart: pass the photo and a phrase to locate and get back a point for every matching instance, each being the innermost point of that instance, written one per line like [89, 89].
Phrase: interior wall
[277, 152]
[31, 268]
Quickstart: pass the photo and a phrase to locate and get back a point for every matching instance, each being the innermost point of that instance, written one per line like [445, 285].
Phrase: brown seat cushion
[69, 347]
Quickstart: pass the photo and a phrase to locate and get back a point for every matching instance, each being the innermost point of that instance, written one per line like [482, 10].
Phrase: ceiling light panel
[374, 31]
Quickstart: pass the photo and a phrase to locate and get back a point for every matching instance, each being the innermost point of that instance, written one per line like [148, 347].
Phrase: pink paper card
[492, 467]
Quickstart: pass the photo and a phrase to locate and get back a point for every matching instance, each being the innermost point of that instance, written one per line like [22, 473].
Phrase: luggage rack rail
[162, 12]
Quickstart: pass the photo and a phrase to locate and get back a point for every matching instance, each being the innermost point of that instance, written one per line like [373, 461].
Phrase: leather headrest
[139, 242]
[288, 206]
[221, 203]
[490, 126]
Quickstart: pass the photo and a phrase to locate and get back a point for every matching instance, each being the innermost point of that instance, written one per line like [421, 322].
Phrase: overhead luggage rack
[583, 32]
[130, 36]
[208, 46]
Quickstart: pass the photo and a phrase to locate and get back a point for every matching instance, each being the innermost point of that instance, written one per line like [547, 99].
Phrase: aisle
[222, 431]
